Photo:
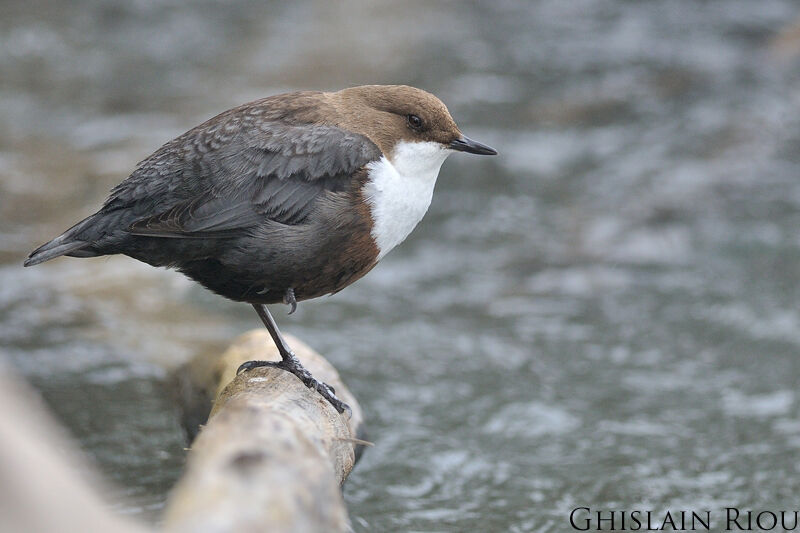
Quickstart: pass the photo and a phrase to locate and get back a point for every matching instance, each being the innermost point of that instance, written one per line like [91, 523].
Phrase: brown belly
[315, 259]
[271, 286]
[325, 277]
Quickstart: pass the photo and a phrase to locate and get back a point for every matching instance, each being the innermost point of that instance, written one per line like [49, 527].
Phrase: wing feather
[213, 182]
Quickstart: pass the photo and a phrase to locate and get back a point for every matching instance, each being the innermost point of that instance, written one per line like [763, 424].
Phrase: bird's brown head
[391, 114]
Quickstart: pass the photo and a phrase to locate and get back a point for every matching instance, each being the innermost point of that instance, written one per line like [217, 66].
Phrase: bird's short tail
[68, 243]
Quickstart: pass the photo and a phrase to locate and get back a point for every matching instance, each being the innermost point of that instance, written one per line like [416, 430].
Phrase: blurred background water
[603, 315]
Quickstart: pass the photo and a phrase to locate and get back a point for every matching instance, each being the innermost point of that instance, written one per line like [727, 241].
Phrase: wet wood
[273, 454]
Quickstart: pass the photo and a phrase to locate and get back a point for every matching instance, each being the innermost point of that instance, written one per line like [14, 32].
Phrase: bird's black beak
[465, 144]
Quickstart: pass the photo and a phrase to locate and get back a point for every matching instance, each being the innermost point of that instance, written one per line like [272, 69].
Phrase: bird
[280, 200]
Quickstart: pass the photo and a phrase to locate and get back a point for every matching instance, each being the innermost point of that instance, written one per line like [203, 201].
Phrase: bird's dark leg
[291, 363]
[290, 300]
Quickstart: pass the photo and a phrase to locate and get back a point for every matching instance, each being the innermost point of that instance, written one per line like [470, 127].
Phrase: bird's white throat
[400, 189]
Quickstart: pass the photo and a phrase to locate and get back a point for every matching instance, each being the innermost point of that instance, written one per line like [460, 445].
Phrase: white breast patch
[399, 191]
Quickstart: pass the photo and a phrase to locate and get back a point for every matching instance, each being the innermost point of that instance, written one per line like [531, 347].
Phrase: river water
[604, 315]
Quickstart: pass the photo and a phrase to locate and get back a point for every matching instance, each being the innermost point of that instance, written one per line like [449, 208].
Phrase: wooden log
[43, 478]
[273, 454]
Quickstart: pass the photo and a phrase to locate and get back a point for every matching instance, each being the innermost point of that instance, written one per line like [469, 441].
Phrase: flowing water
[604, 315]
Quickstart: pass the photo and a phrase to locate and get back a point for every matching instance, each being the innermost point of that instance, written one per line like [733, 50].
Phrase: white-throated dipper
[283, 199]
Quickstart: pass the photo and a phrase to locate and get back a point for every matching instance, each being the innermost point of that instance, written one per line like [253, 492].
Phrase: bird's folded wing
[286, 201]
[210, 188]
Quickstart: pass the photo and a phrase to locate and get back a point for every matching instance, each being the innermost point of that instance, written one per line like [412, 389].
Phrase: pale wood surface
[273, 454]
[45, 484]
[272, 457]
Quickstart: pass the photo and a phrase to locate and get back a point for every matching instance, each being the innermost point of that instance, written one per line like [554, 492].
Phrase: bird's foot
[292, 364]
[290, 300]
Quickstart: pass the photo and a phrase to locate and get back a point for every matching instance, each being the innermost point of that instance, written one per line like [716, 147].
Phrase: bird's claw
[329, 393]
[290, 300]
[293, 366]
[249, 365]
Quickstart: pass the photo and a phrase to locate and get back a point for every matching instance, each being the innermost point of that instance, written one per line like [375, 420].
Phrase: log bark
[273, 454]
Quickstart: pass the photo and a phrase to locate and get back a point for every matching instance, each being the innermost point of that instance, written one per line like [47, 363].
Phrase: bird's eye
[415, 122]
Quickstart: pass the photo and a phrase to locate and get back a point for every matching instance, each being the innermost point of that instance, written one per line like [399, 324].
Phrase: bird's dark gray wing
[214, 181]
